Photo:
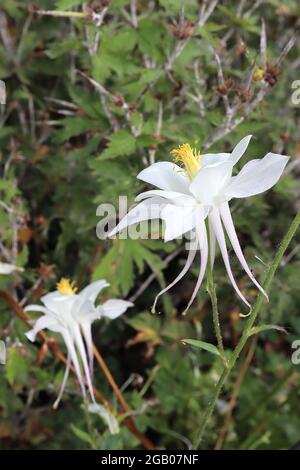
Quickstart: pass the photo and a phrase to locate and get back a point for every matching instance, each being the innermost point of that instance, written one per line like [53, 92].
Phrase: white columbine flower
[72, 315]
[202, 188]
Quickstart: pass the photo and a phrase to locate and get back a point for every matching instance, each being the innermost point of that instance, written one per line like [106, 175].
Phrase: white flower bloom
[6, 268]
[202, 189]
[72, 315]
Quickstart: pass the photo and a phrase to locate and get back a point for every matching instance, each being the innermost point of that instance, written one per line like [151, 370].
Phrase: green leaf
[16, 366]
[117, 266]
[59, 48]
[208, 36]
[82, 435]
[123, 41]
[202, 345]
[73, 126]
[121, 143]
[150, 75]
[145, 320]
[258, 329]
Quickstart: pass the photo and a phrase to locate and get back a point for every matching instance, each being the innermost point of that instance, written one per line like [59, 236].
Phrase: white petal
[37, 308]
[175, 197]
[72, 352]
[210, 181]
[218, 229]
[113, 308]
[189, 261]
[92, 291]
[229, 226]
[165, 175]
[202, 237]
[212, 245]
[82, 352]
[54, 295]
[209, 159]
[64, 382]
[41, 323]
[60, 304]
[257, 176]
[178, 220]
[146, 210]
[240, 149]
[87, 334]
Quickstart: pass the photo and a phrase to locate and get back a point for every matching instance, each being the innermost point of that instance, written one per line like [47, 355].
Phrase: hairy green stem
[211, 289]
[247, 331]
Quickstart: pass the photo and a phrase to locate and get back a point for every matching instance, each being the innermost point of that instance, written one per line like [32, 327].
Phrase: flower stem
[247, 331]
[211, 289]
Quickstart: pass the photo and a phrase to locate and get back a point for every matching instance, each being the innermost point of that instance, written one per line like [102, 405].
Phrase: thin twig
[6, 38]
[254, 7]
[263, 44]
[199, 83]
[125, 107]
[133, 13]
[289, 45]
[222, 85]
[110, 117]
[205, 12]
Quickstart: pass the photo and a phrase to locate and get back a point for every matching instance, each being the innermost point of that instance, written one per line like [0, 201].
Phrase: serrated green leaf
[16, 366]
[74, 126]
[121, 143]
[208, 36]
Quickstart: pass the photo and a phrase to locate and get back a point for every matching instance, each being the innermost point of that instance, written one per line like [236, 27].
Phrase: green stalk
[247, 331]
[211, 289]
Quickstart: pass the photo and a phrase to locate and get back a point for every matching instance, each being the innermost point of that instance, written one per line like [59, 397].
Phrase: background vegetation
[91, 100]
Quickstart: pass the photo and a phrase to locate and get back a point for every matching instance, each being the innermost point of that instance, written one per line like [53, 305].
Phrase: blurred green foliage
[67, 145]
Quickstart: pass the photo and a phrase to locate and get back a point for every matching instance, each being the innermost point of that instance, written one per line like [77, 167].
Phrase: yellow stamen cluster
[190, 158]
[65, 287]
